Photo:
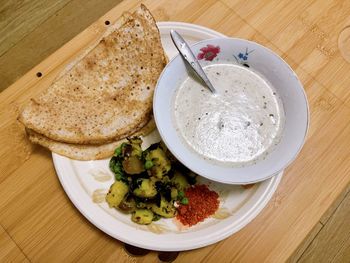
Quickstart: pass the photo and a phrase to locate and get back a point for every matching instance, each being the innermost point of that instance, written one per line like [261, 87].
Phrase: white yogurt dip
[236, 127]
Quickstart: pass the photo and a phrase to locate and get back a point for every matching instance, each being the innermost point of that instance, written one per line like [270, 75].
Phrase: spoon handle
[191, 59]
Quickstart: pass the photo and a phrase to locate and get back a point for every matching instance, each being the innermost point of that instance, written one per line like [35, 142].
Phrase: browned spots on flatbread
[107, 95]
[90, 63]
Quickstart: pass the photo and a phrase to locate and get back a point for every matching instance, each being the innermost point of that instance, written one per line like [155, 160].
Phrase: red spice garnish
[202, 203]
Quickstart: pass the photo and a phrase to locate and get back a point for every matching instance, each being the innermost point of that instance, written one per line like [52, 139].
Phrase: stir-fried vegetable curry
[148, 183]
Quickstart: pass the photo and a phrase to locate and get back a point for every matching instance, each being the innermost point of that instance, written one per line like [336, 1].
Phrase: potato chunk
[161, 164]
[146, 189]
[116, 193]
[180, 181]
[142, 216]
[166, 209]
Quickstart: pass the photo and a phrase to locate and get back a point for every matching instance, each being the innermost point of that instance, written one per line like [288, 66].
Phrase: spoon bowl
[187, 54]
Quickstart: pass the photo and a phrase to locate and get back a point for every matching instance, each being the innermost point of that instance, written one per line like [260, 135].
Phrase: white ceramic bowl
[275, 70]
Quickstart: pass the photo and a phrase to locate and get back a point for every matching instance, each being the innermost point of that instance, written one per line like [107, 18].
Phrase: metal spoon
[190, 58]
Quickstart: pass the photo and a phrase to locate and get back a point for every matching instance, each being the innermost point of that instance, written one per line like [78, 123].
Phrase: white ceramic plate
[86, 183]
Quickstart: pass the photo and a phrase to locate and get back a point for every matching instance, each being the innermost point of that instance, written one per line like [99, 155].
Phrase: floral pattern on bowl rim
[209, 52]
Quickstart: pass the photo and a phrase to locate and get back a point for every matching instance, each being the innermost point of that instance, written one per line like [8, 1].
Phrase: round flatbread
[84, 152]
[106, 95]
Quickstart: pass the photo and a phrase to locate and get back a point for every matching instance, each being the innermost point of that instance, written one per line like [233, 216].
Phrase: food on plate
[202, 203]
[157, 163]
[153, 185]
[101, 97]
[146, 188]
[239, 125]
[142, 216]
[180, 181]
[164, 208]
[84, 151]
[116, 193]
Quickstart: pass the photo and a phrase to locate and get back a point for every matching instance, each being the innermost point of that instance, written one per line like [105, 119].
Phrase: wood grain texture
[52, 24]
[41, 220]
[305, 244]
[343, 255]
[337, 245]
[325, 247]
[308, 34]
[333, 208]
[49, 228]
[9, 251]
[18, 18]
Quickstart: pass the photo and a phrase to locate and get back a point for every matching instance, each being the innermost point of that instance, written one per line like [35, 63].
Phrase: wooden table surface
[39, 223]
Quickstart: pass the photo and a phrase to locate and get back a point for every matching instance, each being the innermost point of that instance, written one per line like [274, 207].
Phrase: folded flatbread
[81, 151]
[107, 94]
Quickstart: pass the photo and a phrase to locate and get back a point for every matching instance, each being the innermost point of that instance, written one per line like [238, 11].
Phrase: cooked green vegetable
[116, 193]
[165, 209]
[161, 164]
[181, 194]
[180, 181]
[146, 189]
[184, 201]
[116, 166]
[142, 216]
[148, 164]
[118, 151]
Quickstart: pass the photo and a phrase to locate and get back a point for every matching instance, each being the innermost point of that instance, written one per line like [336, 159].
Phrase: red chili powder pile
[202, 203]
